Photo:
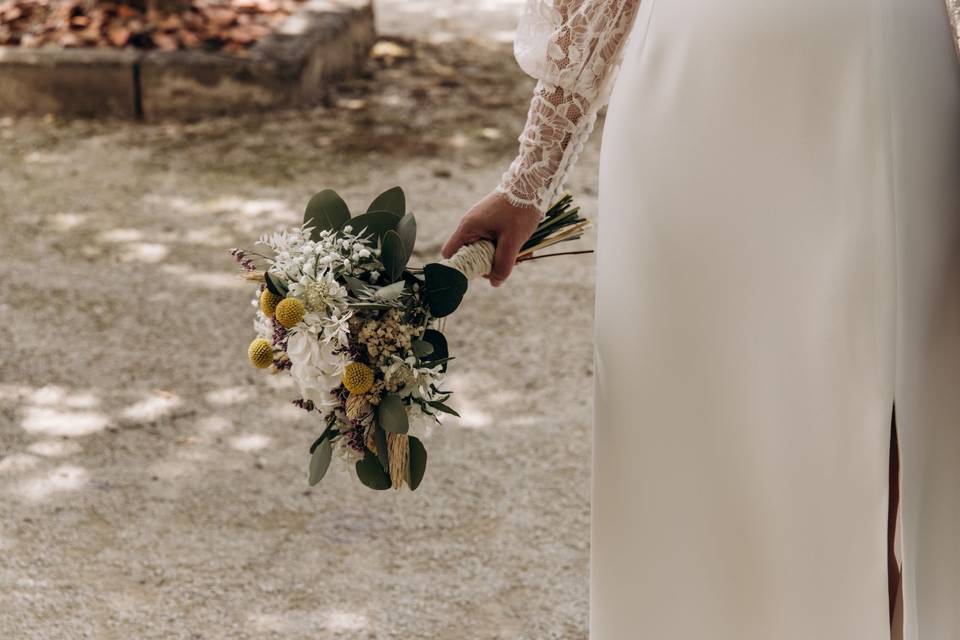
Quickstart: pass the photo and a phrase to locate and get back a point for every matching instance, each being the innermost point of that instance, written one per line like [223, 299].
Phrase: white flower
[416, 379]
[336, 327]
[315, 368]
[319, 293]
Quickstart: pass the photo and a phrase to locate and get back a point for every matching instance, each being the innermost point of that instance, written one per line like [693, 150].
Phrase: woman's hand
[506, 225]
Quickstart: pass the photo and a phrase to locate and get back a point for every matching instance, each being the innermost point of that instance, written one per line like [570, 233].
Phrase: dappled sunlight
[230, 396]
[170, 469]
[18, 462]
[210, 280]
[55, 448]
[13, 392]
[278, 383]
[214, 424]
[45, 157]
[67, 221]
[56, 396]
[211, 236]
[250, 442]
[63, 478]
[287, 412]
[148, 252]
[245, 214]
[120, 234]
[346, 621]
[471, 417]
[53, 410]
[206, 279]
[295, 621]
[55, 422]
[452, 20]
[158, 405]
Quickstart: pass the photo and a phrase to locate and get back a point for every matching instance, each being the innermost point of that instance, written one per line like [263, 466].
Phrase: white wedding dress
[778, 261]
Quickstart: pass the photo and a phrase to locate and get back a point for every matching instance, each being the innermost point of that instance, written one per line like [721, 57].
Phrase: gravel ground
[153, 484]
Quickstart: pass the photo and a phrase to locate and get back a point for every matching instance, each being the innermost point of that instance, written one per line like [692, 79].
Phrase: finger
[454, 242]
[504, 257]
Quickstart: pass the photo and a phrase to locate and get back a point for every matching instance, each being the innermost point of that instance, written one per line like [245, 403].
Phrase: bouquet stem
[561, 223]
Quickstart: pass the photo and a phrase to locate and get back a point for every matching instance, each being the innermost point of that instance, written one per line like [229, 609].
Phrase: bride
[778, 263]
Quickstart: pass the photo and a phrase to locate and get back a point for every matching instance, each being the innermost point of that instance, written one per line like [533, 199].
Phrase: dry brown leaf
[387, 49]
[118, 35]
[220, 17]
[165, 41]
[189, 38]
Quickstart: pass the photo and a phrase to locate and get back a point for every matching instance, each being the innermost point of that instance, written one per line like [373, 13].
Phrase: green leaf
[326, 210]
[443, 288]
[391, 200]
[392, 414]
[439, 344]
[391, 291]
[370, 305]
[320, 461]
[436, 404]
[274, 285]
[417, 464]
[357, 286]
[372, 223]
[407, 228]
[380, 437]
[393, 255]
[371, 473]
[421, 348]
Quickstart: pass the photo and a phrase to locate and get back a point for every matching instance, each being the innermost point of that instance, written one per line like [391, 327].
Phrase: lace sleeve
[572, 48]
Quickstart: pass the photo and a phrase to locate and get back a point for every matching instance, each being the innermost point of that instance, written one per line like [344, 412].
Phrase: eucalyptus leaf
[320, 461]
[370, 305]
[380, 437]
[436, 404]
[391, 291]
[371, 473]
[392, 200]
[274, 285]
[392, 414]
[326, 210]
[357, 286]
[417, 463]
[372, 223]
[421, 348]
[392, 254]
[439, 344]
[407, 228]
[443, 288]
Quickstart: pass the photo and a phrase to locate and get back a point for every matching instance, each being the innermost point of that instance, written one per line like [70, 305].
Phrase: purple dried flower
[306, 405]
[355, 438]
[279, 335]
[241, 257]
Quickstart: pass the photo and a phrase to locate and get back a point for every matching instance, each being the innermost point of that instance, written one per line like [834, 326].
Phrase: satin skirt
[778, 263]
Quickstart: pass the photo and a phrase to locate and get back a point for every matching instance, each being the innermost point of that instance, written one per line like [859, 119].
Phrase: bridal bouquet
[339, 309]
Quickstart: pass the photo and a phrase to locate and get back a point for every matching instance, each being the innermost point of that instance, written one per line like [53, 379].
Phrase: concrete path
[153, 484]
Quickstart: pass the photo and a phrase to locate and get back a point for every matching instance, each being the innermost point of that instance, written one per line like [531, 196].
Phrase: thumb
[504, 257]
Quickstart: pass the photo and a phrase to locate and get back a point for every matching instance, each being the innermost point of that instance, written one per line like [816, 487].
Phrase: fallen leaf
[118, 36]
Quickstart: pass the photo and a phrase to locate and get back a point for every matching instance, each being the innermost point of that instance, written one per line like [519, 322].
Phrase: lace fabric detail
[573, 48]
[953, 11]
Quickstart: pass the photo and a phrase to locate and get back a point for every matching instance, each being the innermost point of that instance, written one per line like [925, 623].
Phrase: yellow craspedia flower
[357, 378]
[289, 312]
[269, 302]
[260, 353]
